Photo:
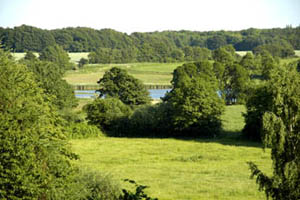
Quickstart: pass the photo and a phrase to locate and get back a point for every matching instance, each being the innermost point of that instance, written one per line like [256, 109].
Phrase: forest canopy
[81, 39]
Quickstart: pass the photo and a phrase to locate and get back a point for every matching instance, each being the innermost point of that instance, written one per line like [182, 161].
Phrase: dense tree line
[163, 46]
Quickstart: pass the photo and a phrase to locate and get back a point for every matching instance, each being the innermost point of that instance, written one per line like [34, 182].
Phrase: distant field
[242, 53]
[75, 57]
[181, 169]
[148, 73]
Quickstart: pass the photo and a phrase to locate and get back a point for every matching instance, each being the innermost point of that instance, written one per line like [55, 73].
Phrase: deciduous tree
[34, 158]
[118, 83]
[195, 105]
[281, 128]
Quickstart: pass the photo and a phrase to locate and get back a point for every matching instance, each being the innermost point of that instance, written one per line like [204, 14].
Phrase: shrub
[98, 186]
[150, 121]
[105, 113]
[139, 193]
[83, 130]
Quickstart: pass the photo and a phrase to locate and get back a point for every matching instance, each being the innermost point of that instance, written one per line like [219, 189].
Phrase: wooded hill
[80, 39]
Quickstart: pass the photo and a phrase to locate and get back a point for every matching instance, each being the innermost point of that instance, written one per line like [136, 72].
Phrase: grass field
[74, 57]
[148, 73]
[181, 168]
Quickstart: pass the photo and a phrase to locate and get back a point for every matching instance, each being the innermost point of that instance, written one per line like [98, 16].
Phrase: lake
[154, 94]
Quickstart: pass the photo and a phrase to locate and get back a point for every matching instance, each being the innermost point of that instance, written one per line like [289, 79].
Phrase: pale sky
[151, 15]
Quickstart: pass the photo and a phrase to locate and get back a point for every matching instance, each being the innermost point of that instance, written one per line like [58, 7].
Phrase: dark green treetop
[118, 83]
[195, 105]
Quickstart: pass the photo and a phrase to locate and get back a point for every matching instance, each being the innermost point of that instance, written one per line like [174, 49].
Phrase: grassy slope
[181, 169]
[149, 73]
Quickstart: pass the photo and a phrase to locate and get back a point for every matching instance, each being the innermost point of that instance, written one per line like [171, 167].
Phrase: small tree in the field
[82, 62]
[119, 84]
[281, 132]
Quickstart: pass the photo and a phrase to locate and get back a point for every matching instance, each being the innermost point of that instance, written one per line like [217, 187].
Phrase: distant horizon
[128, 16]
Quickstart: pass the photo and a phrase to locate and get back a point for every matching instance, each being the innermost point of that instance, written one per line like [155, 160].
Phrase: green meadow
[181, 168]
[148, 73]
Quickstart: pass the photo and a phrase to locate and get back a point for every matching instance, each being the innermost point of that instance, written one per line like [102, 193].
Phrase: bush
[139, 193]
[83, 130]
[105, 113]
[98, 186]
[150, 121]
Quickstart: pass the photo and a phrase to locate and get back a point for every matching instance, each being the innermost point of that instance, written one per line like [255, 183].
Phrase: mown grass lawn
[181, 168]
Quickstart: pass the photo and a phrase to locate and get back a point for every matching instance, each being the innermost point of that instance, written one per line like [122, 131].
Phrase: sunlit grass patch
[181, 168]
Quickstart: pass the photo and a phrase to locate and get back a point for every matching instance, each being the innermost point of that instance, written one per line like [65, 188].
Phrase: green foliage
[139, 192]
[109, 55]
[196, 53]
[57, 55]
[258, 103]
[149, 121]
[82, 62]
[267, 63]
[235, 84]
[165, 46]
[119, 84]
[30, 56]
[280, 49]
[233, 78]
[49, 77]
[105, 113]
[35, 160]
[249, 63]
[280, 128]
[97, 186]
[26, 38]
[194, 103]
[82, 130]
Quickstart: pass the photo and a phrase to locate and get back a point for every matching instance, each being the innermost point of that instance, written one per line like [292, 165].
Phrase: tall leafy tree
[34, 158]
[281, 128]
[233, 78]
[195, 105]
[118, 83]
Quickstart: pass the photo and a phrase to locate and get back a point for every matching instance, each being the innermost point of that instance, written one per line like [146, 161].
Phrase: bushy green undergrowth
[98, 186]
[83, 130]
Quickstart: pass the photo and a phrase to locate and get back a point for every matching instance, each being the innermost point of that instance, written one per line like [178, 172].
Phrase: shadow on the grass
[231, 138]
